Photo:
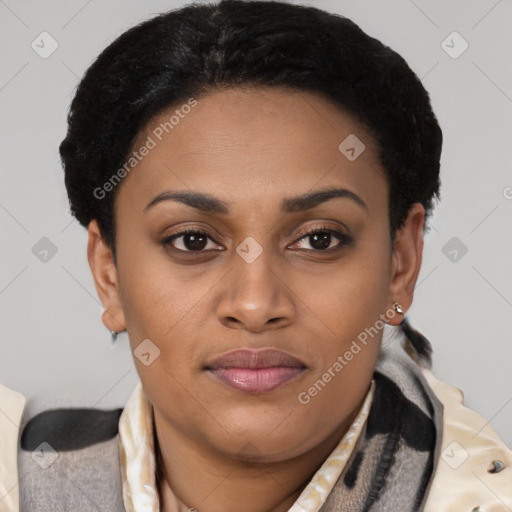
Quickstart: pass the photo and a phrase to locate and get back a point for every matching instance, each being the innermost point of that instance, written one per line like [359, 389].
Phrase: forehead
[254, 144]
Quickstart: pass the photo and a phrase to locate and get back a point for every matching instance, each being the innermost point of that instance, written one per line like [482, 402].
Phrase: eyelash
[341, 237]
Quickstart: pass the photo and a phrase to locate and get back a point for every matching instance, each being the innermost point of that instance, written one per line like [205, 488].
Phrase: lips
[255, 371]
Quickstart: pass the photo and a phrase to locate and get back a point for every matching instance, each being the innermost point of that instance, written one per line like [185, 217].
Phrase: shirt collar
[138, 462]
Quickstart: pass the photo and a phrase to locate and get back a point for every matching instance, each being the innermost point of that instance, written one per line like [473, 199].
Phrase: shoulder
[70, 429]
[474, 470]
[68, 459]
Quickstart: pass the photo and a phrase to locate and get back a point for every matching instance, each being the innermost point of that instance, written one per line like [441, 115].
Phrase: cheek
[156, 298]
[347, 310]
[163, 305]
[352, 295]
[161, 309]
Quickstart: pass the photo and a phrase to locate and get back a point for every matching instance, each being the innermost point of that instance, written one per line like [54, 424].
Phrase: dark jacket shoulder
[69, 460]
[70, 429]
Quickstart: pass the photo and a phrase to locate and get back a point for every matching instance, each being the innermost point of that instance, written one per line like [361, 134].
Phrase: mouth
[255, 371]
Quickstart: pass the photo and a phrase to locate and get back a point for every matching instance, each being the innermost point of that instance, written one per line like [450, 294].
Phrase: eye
[192, 240]
[321, 239]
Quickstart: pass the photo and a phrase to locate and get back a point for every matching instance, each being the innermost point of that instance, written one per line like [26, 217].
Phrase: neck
[195, 476]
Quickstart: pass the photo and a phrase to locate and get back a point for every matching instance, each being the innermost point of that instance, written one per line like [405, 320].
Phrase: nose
[255, 295]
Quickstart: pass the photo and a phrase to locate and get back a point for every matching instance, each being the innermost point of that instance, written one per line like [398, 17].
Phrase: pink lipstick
[255, 371]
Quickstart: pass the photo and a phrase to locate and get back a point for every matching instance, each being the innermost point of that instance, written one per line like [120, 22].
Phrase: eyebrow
[209, 204]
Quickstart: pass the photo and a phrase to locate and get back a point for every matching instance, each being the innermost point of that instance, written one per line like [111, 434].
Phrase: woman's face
[255, 278]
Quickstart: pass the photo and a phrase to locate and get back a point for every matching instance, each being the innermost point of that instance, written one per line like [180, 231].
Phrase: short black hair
[201, 47]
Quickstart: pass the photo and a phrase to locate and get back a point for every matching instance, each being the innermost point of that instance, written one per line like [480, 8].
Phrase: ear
[104, 272]
[407, 256]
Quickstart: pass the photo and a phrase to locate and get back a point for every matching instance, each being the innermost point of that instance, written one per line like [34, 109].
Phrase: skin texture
[225, 450]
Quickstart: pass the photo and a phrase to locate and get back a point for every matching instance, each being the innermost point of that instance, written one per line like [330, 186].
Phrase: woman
[255, 178]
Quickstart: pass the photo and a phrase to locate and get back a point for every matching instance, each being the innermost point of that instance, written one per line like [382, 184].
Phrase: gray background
[55, 348]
